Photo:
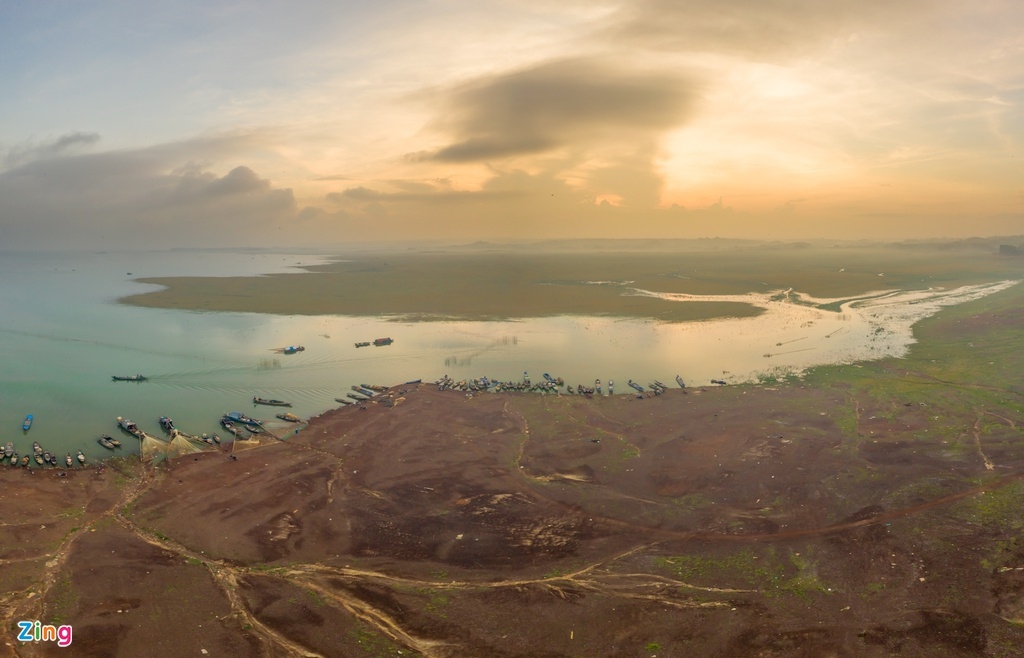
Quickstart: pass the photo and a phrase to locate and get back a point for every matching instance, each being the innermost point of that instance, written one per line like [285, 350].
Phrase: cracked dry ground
[742, 521]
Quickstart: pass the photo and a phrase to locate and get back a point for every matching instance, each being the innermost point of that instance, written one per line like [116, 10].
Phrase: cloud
[562, 103]
[142, 197]
[60, 146]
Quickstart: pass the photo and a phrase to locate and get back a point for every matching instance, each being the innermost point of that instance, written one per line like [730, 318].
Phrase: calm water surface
[64, 335]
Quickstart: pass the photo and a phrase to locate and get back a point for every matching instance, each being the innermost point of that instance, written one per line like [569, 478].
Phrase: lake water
[64, 335]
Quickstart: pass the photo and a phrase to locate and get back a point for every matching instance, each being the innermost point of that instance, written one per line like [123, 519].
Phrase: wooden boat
[383, 341]
[115, 442]
[291, 418]
[216, 439]
[239, 417]
[679, 380]
[292, 349]
[272, 403]
[105, 442]
[129, 378]
[27, 425]
[128, 426]
[39, 459]
[8, 449]
[366, 344]
[81, 457]
[15, 460]
[24, 461]
[68, 460]
[357, 397]
[230, 427]
[36, 449]
[611, 387]
[342, 400]
[166, 423]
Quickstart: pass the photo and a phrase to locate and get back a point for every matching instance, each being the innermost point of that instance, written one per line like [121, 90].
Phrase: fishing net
[183, 444]
[152, 448]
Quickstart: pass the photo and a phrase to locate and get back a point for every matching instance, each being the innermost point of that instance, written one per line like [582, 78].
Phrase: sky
[141, 124]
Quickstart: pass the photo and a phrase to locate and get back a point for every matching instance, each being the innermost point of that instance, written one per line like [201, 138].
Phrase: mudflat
[502, 285]
[864, 510]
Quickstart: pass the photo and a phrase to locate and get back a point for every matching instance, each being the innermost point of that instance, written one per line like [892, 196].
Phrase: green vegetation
[374, 644]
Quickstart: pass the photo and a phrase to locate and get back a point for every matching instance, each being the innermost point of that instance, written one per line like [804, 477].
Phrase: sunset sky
[324, 123]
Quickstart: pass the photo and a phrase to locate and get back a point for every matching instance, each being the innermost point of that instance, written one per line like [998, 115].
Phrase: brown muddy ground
[868, 511]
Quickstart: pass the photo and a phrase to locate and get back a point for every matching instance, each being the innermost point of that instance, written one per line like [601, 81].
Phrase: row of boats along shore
[551, 384]
[243, 427]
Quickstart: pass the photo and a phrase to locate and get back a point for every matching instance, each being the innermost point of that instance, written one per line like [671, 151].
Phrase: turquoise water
[64, 335]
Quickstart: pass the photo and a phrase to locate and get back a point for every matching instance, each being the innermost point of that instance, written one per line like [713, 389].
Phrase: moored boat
[272, 403]
[15, 460]
[291, 418]
[117, 444]
[24, 461]
[230, 427]
[8, 449]
[41, 460]
[129, 378]
[81, 457]
[36, 449]
[679, 380]
[343, 400]
[239, 417]
[128, 426]
[166, 423]
[68, 460]
[105, 442]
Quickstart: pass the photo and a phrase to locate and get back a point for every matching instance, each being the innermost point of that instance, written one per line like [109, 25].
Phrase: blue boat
[242, 418]
[28, 422]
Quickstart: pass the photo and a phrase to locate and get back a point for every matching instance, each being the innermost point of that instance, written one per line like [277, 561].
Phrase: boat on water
[611, 387]
[364, 344]
[291, 418]
[27, 425]
[230, 427]
[68, 460]
[635, 386]
[9, 449]
[720, 382]
[36, 448]
[216, 439]
[166, 423]
[597, 386]
[292, 349]
[383, 341]
[15, 460]
[357, 397]
[239, 417]
[128, 426]
[105, 442]
[129, 378]
[679, 380]
[272, 403]
[48, 458]
[343, 400]
[80, 457]
[415, 381]
[24, 461]
[39, 459]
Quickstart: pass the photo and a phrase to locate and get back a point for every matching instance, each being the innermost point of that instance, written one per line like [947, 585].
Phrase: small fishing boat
[36, 449]
[415, 381]
[383, 341]
[8, 449]
[166, 423]
[216, 439]
[366, 344]
[356, 397]
[40, 460]
[24, 461]
[343, 400]
[230, 427]
[611, 387]
[291, 418]
[68, 460]
[27, 425]
[597, 386]
[272, 403]
[128, 426]
[105, 442]
[117, 444]
[679, 380]
[239, 417]
[80, 457]
[15, 460]
[292, 349]
[129, 378]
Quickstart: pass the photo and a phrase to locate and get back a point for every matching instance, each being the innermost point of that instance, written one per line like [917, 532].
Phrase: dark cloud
[60, 146]
[572, 103]
[139, 197]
